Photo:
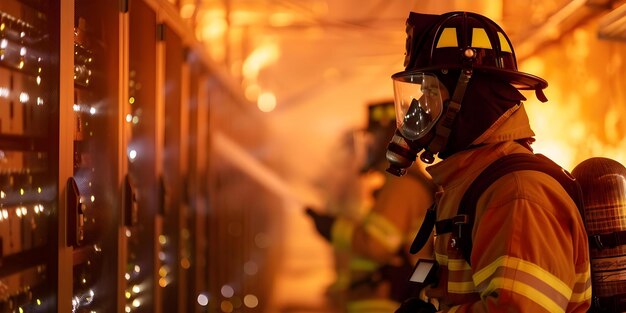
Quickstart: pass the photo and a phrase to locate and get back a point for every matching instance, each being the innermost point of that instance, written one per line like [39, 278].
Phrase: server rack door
[142, 154]
[29, 137]
[202, 227]
[197, 219]
[93, 190]
[175, 235]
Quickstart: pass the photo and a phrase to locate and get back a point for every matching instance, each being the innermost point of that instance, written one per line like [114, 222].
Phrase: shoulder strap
[507, 164]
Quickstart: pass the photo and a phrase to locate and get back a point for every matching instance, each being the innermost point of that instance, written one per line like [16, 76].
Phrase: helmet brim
[520, 80]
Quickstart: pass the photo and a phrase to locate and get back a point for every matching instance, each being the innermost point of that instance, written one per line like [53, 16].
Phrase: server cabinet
[29, 152]
[175, 237]
[198, 205]
[144, 195]
[93, 197]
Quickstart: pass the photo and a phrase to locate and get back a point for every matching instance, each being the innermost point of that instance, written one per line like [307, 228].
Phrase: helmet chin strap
[453, 106]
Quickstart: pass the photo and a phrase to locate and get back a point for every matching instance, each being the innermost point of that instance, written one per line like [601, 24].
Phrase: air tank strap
[423, 234]
[610, 240]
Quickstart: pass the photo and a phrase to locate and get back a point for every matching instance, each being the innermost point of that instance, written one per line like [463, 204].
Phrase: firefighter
[458, 99]
[377, 280]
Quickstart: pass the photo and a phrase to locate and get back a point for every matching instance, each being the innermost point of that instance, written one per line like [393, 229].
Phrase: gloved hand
[323, 222]
[416, 305]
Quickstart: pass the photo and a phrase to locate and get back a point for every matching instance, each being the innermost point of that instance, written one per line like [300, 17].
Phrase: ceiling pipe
[613, 25]
[562, 21]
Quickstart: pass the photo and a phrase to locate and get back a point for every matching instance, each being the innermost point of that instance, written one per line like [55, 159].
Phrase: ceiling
[319, 63]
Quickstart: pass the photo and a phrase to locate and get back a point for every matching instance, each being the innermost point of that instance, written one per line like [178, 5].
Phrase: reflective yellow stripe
[504, 44]
[341, 233]
[448, 38]
[363, 264]
[372, 306]
[442, 259]
[526, 267]
[480, 39]
[461, 287]
[582, 296]
[458, 265]
[380, 228]
[526, 291]
[524, 278]
[584, 279]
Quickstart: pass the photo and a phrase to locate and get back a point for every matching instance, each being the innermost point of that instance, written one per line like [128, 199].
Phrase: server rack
[143, 153]
[29, 153]
[174, 233]
[107, 199]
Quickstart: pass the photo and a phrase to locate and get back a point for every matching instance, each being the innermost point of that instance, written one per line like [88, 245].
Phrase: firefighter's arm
[524, 260]
[376, 237]
[398, 210]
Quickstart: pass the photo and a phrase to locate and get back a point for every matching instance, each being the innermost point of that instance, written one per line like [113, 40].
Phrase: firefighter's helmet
[380, 127]
[454, 42]
[439, 42]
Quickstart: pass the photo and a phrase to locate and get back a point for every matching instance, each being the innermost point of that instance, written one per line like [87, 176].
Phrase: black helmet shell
[438, 42]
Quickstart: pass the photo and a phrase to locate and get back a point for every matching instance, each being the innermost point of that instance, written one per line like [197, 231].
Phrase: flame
[585, 116]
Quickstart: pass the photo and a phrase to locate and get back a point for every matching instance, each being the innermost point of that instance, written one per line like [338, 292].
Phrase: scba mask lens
[418, 103]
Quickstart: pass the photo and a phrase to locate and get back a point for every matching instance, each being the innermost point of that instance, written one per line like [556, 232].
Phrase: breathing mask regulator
[438, 46]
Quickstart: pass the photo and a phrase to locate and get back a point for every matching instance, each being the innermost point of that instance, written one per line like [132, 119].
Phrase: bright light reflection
[213, 28]
[263, 56]
[227, 291]
[226, 306]
[252, 92]
[266, 102]
[132, 154]
[24, 97]
[186, 11]
[251, 301]
[203, 300]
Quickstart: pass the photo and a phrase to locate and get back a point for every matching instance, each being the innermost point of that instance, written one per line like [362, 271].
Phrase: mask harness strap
[444, 126]
[442, 132]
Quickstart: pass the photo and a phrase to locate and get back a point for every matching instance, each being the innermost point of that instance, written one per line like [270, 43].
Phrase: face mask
[418, 103]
